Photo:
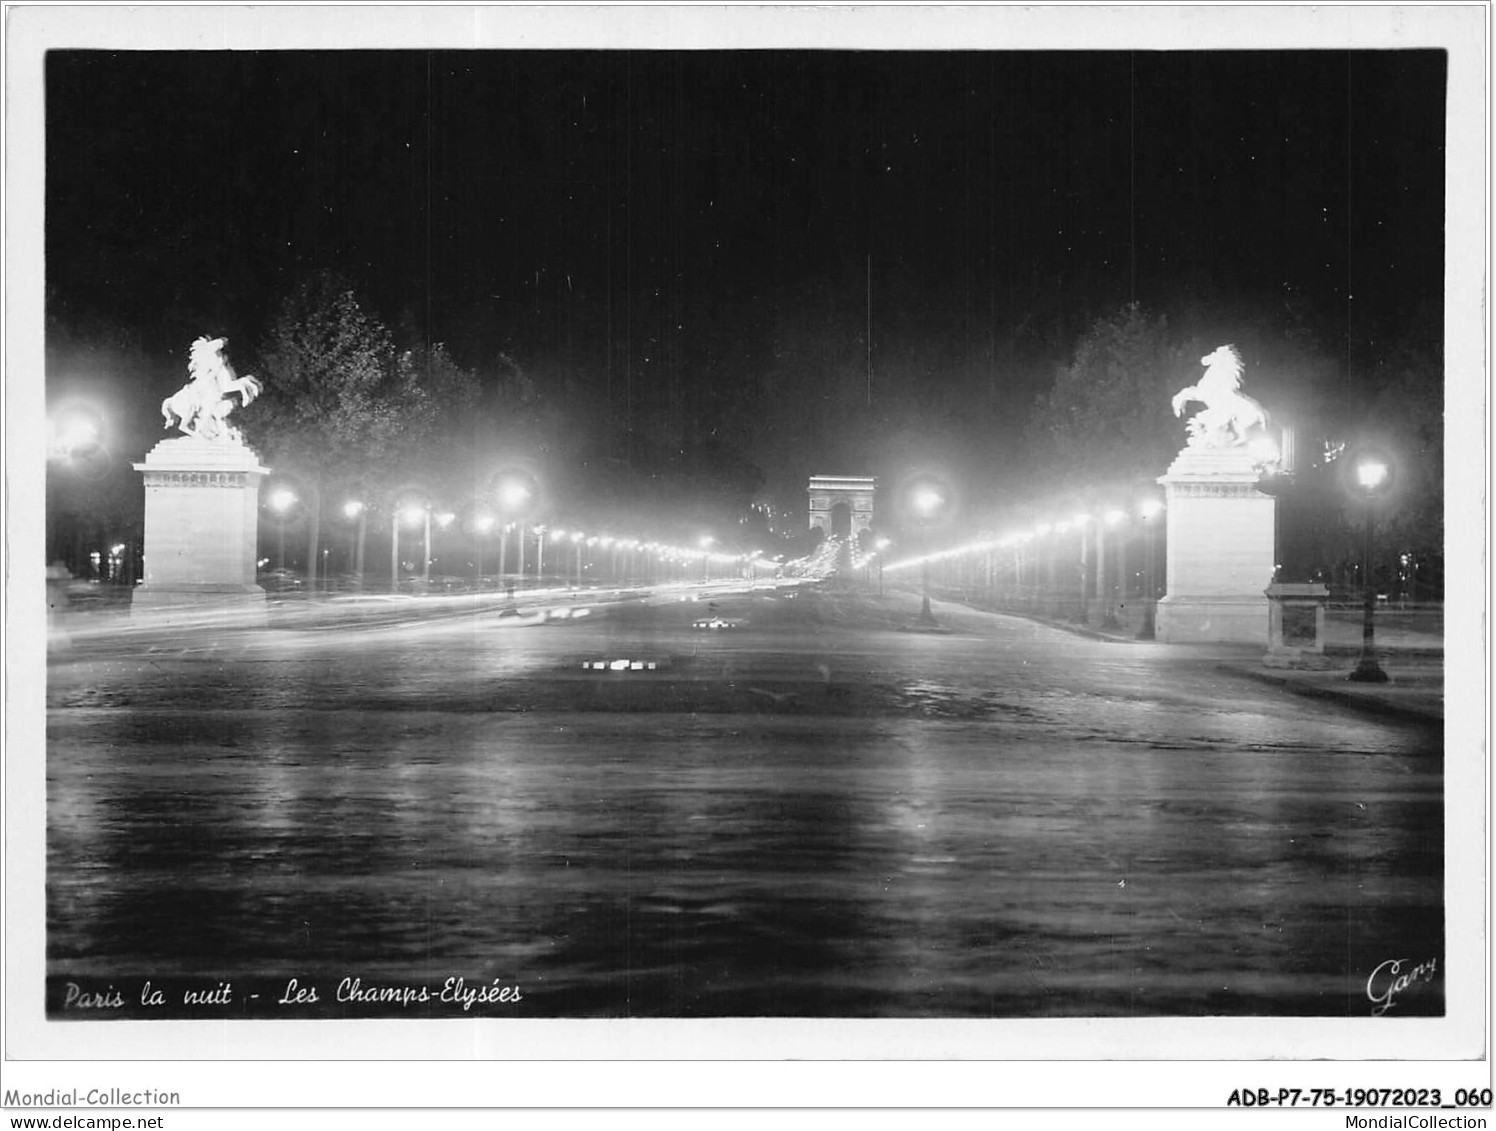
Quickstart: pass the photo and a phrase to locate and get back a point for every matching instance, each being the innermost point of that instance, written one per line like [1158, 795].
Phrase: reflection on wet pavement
[912, 828]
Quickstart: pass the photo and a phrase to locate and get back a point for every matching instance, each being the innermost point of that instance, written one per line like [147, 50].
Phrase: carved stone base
[1211, 620]
[201, 529]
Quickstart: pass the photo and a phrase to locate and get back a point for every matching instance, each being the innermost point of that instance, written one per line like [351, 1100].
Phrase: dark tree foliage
[1106, 418]
[342, 410]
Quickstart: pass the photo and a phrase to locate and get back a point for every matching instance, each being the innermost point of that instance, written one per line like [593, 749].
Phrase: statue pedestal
[201, 531]
[1220, 549]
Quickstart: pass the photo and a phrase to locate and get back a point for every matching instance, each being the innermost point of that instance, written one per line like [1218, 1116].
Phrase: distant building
[842, 504]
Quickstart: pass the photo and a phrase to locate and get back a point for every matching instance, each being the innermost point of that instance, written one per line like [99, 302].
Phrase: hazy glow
[1114, 516]
[513, 495]
[483, 523]
[1371, 474]
[1263, 450]
[71, 430]
[413, 514]
[282, 499]
[353, 508]
[927, 500]
[1150, 507]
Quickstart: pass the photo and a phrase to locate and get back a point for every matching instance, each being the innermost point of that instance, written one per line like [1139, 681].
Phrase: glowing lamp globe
[1371, 474]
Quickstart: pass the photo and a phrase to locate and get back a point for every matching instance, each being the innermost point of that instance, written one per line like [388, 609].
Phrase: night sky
[729, 243]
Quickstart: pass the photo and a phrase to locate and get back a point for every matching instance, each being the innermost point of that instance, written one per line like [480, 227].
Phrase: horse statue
[201, 407]
[1228, 413]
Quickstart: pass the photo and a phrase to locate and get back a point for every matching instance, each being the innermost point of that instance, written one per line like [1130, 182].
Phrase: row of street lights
[483, 524]
[1370, 474]
[1090, 529]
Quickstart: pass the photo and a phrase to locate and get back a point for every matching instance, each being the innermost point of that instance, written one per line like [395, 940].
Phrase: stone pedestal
[1296, 624]
[201, 530]
[1220, 549]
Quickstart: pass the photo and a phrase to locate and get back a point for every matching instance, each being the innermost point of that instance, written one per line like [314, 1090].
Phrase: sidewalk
[1411, 655]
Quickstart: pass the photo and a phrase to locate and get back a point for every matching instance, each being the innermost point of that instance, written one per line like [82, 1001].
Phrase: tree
[341, 410]
[1106, 418]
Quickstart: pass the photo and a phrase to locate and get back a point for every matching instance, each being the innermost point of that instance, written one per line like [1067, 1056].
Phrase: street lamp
[354, 509]
[514, 492]
[1110, 521]
[414, 513]
[1148, 629]
[1081, 521]
[927, 501]
[482, 524]
[539, 554]
[281, 501]
[1371, 478]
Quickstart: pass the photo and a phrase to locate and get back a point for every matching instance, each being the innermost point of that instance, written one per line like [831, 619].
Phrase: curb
[1367, 702]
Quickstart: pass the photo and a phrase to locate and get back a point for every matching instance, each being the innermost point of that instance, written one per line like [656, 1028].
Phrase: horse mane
[1223, 369]
[206, 361]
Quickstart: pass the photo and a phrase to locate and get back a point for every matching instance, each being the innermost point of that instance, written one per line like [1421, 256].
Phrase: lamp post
[1110, 521]
[503, 550]
[443, 521]
[414, 513]
[576, 540]
[1082, 521]
[353, 509]
[1371, 477]
[281, 501]
[482, 524]
[927, 500]
[395, 549]
[426, 547]
[1148, 630]
[514, 491]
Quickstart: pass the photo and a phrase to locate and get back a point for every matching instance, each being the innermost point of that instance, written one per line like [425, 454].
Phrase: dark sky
[681, 220]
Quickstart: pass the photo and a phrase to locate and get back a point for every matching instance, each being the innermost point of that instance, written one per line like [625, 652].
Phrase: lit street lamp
[927, 501]
[482, 524]
[281, 501]
[513, 492]
[1081, 521]
[1104, 594]
[1148, 628]
[353, 509]
[1371, 477]
[539, 554]
[414, 513]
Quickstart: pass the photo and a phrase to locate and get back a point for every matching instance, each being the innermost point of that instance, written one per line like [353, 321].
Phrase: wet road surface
[809, 813]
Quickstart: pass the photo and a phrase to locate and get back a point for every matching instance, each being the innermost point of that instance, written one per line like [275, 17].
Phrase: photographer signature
[1390, 979]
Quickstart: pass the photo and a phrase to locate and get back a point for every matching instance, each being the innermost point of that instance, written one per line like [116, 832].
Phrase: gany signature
[1393, 977]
